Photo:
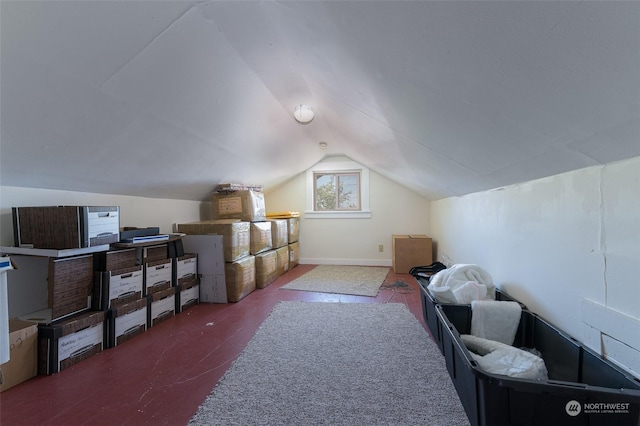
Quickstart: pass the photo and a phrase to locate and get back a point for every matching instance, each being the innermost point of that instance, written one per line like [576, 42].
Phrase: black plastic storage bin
[429, 309]
[583, 388]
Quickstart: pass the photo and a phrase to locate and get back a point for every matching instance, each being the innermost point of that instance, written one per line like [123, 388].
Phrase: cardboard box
[279, 233]
[293, 229]
[155, 253]
[266, 268]
[235, 235]
[409, 251]
[158, 276]
[260, 239]
[185, 266]
[67, 342]
[127, 321]
[240, 277]
[162, 306]
[116, 288]
[283, 259]
[23, 354]
[187, 293]
[244, 205]
[65, 227]
[294, 254]
[70, 285]
[117, 259]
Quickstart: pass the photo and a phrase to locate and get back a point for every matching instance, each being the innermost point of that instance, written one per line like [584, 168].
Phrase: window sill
[338, 215]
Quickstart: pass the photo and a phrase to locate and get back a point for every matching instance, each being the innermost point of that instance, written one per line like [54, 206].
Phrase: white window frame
[339, 167]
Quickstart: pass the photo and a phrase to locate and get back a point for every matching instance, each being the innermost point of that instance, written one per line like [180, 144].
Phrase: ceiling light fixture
[303, 113]
[323, 145]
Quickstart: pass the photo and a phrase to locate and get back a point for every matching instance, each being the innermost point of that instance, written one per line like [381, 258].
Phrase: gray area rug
[336, 364]
[355, 280]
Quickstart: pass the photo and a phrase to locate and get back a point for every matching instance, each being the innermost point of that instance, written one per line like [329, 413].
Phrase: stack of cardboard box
[119, 288]
[256, 249]
[71, 330]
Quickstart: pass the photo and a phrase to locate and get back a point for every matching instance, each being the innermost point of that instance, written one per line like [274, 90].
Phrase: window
[338, 190]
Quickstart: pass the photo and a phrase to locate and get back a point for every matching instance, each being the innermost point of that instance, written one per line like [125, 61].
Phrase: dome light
[303, 113]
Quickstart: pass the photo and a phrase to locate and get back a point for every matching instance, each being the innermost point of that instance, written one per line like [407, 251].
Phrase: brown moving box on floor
[240, 278]
[23, 355]
[409, 251]
[266, 268]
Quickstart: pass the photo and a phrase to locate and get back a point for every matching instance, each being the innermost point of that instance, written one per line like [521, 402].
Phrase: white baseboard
[355, 262]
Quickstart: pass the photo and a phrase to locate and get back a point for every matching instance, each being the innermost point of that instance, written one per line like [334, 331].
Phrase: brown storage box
[293, 229]
[155, 253]
[235, 235]
[185, 266]
[69, 341]
[70, 284]
[279, 233]
[127, 321]
[187, 293]
[260, 237]
[117, 259]
[23, 355]
[240, 277]
[162, 306]
[65, 227]
[116, 288]
[282, 255]
[411, 250]
[244, 205]
[158, 276]
[266, 268]
[294, 254]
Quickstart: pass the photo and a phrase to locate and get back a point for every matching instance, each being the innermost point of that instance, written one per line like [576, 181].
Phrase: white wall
[395, 210]
[134, 211]
[567, 246]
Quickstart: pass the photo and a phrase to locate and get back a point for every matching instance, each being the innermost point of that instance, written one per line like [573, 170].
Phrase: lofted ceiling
[169, 98]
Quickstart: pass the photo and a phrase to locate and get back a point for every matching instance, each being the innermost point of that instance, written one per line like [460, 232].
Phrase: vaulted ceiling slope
[169, 98]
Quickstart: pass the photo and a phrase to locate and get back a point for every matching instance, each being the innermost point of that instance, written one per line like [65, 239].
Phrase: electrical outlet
[380, 248]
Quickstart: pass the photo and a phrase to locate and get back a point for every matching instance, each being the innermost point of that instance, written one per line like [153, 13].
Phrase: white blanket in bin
[498, 358]
[494, 320]
[461, 284]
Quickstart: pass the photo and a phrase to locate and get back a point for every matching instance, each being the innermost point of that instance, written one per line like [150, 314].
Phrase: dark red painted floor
[164, 374]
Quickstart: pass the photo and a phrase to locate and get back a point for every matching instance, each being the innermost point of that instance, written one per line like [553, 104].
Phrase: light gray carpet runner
[336, 364]
[341, 279]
